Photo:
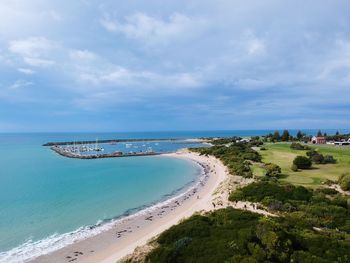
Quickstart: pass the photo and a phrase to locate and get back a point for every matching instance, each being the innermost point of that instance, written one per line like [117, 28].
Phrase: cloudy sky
[92, 65]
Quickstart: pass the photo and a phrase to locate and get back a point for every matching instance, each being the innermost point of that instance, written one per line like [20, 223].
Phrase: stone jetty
[70, 154]
[109, 141]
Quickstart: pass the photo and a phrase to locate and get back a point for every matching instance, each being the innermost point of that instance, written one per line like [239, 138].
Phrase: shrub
[319, 158]
[328, 191]
[311, 153]
[272, 170]
[294, 168]
[265, 191]
[329, 159]
[263, 149]
[302, 162]
[344, 181]
[299, 146]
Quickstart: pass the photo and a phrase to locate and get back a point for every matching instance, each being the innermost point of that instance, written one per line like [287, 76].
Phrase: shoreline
[129, 232]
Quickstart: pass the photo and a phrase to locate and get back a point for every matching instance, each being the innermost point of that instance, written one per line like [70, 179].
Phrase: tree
[337, 133]
[285, 136]
[276, 136]
[319, 133]
[302, 162]
[299, 135]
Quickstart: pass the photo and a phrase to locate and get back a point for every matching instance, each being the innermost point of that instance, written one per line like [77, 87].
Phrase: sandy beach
[135, 230]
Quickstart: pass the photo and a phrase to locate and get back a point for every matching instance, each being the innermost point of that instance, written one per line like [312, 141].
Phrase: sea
[48, 201]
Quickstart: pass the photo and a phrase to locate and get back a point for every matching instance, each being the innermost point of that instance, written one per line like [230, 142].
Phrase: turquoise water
[42, 193]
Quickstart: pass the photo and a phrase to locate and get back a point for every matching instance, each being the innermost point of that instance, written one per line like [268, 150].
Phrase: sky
[149, 65]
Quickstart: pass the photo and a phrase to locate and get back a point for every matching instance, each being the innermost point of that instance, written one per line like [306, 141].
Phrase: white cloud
[186, 80]
[34, 50]
[256, 46]
[151, 30]
[121, 77]
[26, 71]
[38, 62]
[53, 14]
[20, 84]
[82, 55]
[336, 66]
[32, 46]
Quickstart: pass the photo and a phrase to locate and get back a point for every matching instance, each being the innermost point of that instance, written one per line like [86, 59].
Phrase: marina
[76, 154]
[111, 141]
[121, 148]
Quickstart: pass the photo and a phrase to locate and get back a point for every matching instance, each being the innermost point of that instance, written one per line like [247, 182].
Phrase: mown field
[282, 155]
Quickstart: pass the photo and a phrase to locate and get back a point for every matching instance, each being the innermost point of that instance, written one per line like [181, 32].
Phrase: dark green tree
[299, 135]
[302, 162]
[319, 133]
[285, 136]
[276, 136]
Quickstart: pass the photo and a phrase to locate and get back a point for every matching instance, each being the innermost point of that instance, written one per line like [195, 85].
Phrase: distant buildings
[318, 140]
[342, 142]
[323, 140]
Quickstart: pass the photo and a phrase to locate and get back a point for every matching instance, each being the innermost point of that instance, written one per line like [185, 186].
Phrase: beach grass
[282, 155]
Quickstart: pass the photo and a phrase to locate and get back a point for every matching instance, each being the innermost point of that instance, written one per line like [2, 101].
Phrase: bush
[266, 191]
[319, 158]
[302, 162]
[344, 181]
[329, 159]
[235, 157]
[272, 170]
[263, 149]
[299, 146]
[311, 153]
[294, 168]
[328, 191]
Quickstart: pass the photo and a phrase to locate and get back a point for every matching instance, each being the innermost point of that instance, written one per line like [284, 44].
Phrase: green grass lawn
[282, 155]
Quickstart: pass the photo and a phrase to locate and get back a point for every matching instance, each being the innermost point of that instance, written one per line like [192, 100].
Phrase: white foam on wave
[33, 249]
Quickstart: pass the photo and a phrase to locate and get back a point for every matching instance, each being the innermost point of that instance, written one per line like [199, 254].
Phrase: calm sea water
[42, 193]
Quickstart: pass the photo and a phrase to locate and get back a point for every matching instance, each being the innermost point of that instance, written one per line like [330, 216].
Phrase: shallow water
[42, 193]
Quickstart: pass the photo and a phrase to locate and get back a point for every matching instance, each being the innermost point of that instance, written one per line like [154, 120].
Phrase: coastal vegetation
[311, 227]
[344, 181]
[236, 157]
[311, 222]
